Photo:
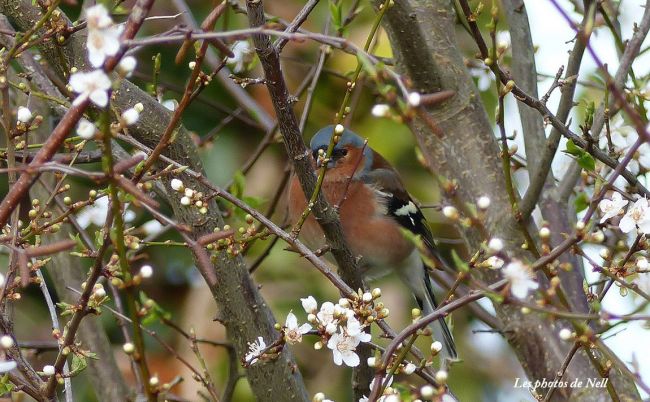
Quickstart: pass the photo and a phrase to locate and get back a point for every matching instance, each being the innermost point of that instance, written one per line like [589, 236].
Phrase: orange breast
[370, 234]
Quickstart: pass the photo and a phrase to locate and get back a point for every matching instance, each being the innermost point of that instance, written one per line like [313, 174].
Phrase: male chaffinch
[374, 207]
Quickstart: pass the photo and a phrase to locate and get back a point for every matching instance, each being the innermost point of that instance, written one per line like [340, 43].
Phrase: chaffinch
[374, 207]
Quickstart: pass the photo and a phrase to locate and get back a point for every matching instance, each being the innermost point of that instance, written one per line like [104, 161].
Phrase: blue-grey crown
[322, 139]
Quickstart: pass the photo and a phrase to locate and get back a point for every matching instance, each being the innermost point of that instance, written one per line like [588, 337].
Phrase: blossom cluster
[341, 326]
[103, 41]
[190, 197]
[520, 276]
[103, 35]
[636, 217]
[622, 137]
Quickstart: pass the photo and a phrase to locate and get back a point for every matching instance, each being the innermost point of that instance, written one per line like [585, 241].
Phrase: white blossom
[354, 328]
[185, 201]
[382, 398]
[93, 85]
[410, 368]
[521, 278]
[414, 99]
[293, 333]
[177, 185]
[450, 212]
[243, 55]
[604, 253]
[343, 348]
[380, 110]
[24, 115]
[495, 262]
[255, 350]
[545, 233]
[621, 134]
[170, 104]
[318, 397]
[2, 280]
[436, 347]
[642, 263]
[49, 370]
[637, 216]
[326, 314]
[309, 304]
[6, 341]
[427, 391]
[565, 334]
[484, 78]
[97, 17]
[330, 328]
[86, 129]
[644, 155]
[483, 202]
[99, 291]
[152, 227]
[613, 207]
[96, 213]
[643, 282]
[103, 43]
[503, 38]
[495, 245]
[7, 366]
[130, 116]
[103, 35]
[146, 271]
[127, 65]
[128, 348]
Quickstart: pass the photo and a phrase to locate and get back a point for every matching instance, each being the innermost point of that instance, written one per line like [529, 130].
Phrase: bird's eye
[339, 153]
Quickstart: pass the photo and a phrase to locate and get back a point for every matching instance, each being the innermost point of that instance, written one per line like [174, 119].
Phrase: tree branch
[464, 149]
[245, 314]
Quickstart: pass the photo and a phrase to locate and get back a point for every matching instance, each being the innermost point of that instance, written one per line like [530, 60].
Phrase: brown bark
[243, 311]
[422, 35]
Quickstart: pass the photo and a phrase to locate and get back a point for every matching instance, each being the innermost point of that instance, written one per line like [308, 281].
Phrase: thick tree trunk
[241, 308]
[422, 36]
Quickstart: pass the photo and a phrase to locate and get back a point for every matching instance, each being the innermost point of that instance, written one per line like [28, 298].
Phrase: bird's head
[350, 150]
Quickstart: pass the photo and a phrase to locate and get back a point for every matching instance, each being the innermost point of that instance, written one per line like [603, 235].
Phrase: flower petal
[338, 358]
[99, 97]
[291, 322]
[351, 359]
[626, 224]
[304, 328]
[7, 366]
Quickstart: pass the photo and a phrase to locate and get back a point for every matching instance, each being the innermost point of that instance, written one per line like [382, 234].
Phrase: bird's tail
[427, 301]
[415, 275]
